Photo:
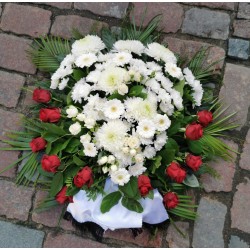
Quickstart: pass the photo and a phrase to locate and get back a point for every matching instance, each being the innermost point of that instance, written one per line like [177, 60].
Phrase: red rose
[205, 117]
[175, 172]
[61, 196]
[194, 131]
[144, 185]
[84, 176]
[170, 200]
[50, 163]
[193, 161]
[41, 95]
[38, 144]
[50, 114]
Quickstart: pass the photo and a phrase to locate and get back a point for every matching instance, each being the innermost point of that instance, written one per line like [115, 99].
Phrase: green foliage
[191, 181]
[195, 147]
[56, 184]
[110, 200]
[130, 189]
[132, 204]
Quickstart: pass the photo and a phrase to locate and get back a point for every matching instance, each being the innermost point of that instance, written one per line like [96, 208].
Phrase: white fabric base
[84, 210]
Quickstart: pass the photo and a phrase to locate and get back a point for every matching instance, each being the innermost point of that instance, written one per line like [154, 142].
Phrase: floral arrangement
[120, 124]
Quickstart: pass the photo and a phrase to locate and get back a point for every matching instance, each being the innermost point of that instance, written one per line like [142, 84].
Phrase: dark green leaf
[110, 200]
[150, 195]
[174, 128]
[53, 129]
[195, 146]
[191, 181]
[155, 164]
[136, 90]
[50, 137]
[71, 171]
[179, 86]
[131, 188]
[78, 161]
[57, 184]
[78, 74]
[73, 145]
[71, 191]
[132, 205]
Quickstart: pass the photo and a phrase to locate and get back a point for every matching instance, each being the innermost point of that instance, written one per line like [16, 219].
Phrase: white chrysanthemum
[90, 149]
[93, 76]
[85, 138]
[123, 89]
[146, 128]
[139, 66]
[85, 60]
[67, 61]
[88, 44]
[62, 85]
[113, 109]
[102, 160]
[75, 128]
[121, 58]
[120, 177]
[136, 170]
[129, 46]
[164, 96]
[134, 75]
[110, 136]
[160, 141]
[162, 122]
[167, 108]
[149, 152]
[111, 159]
[71, 111]
[55, 80]
[80, 117]
[173, 70]
[159, 52]
[153, 85]
[80, 91]
[89, 122]
[132, 142]
[139, 158]
[154, 66]
[165, 82]
[146, 141]
[111, 78]
[177, 99]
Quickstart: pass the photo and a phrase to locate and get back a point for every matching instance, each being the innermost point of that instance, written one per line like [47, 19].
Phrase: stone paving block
[13, 54]
[172, 14]
[11, 85]
[244, 11]
[225, 169]
[113, 9]
[236, 242]
[59, 5]
[208, 227]
[16, 200]
[242, 28]
[144, 239]
[245, 156]
[188, 48]
[16, 236]
[175, 239]
[214, 5]
[206, 23]
[27, 20]
[240, 215]
[0, 9]
[238, 48]
[70, 241]
[235, 92]
[64, 25]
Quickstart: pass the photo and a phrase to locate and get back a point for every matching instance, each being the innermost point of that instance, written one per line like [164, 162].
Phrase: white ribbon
[85, 210]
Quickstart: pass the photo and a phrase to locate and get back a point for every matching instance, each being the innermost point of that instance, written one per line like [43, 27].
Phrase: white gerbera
[71, 111]
[173, 70]
[90, 149]
[88, 44]
[93, 76]
[75, 128]
[86, 60]
[146, 128]
[80, 90]
[113, 109]
[149, 152]
[136, 170]
[162, 122]
[63, 84]
[120, 177]
[122, 58]
[110, 136]
[85, 139]
[129, 46]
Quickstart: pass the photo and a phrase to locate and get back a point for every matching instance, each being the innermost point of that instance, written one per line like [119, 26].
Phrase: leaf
[179, 86]
[116, 95]
[174, 128]
[136, 90]
[44, 173]
[71, 191]
[195, 146]
[78, 74]
[71, 171]
[53, 129]
[78, 161]
[131, 188]
[109, 201]
[108, 38]
[132, 205]
[150, 195]
[73, 146]
[156, 163]
[49, 137]
[56, 184]
[191, 181]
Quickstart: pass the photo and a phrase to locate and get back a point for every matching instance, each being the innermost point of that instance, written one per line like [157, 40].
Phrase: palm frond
[48, 52]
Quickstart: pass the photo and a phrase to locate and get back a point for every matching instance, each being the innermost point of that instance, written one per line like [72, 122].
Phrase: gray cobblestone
[238, 48]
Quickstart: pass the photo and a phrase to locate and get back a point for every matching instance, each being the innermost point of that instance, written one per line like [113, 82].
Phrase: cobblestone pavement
[223, 203]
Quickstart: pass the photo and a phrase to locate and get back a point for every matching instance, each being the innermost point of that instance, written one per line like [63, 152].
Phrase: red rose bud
[50, 163]
[194, 131]
[175, 172]
[61, 196]
[144, 185]
[84, 176]
[38, 144]
[170, 200]
[205, 117]
[41, 95]
[194, 162]
[50, 114]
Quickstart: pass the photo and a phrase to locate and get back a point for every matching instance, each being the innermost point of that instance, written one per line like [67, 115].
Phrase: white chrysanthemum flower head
[134, 75]
[71, 111]
[75, 128]
[160, 141]
[93, 76]
[88, 44]
[80, 117]
[122, 89]
[146, 128]
[173, 70]
[80, 91]
[167, 108]
[111, 159]
[132, 142]
[90, 149]
[129, 46]
[85, 139]
[85, 60]
[162, 122]
[149, 152]
[62, 85]
[121, 58]
[139, 158]
[120, 177]
[68, 61]
[113, 109]
[102, 160]
[137, 169]
[89, 122]
[177, 99]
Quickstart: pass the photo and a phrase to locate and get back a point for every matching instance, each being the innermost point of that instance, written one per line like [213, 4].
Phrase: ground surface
[223, 204]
